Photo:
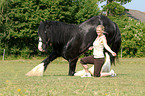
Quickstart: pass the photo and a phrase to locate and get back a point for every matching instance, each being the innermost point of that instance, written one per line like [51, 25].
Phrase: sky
[134, 4]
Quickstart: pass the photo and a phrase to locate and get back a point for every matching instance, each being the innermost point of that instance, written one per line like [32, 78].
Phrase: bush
[133, 36]
[20, 23]
[25, 52]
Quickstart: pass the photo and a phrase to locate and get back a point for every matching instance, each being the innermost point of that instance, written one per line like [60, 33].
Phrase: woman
[98, 56]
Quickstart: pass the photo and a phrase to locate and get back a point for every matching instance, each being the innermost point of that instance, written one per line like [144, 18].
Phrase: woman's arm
[107, 47]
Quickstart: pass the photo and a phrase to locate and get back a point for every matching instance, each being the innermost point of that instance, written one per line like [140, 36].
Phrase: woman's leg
[105, 74]
[98, 63]
[87, 60]
[111, 73]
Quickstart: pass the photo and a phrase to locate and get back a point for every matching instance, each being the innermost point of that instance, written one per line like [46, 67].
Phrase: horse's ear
[48, 24]
[47, 21]
[41, 22]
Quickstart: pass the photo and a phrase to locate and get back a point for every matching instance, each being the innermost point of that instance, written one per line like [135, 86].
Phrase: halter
[46, 43]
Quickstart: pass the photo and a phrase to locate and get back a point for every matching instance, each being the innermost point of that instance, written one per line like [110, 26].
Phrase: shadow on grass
[54, 75]
[118, 75]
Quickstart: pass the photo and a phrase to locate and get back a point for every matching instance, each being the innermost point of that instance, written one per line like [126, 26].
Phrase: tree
[85, 9]
[4, 7]
[24, 17]
[132, 35]
[114, 8]
[121, 1]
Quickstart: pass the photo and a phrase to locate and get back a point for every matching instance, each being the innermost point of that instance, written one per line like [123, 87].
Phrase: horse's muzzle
[41, 49]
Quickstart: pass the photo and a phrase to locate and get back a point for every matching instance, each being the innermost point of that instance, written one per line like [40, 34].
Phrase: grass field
[130, 80]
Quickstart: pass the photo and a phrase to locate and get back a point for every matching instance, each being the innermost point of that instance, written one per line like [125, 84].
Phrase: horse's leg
[72, 66]
[46, 61]
[39, 69]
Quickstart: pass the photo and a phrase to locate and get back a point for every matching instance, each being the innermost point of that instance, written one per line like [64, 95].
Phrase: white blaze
[40, 44]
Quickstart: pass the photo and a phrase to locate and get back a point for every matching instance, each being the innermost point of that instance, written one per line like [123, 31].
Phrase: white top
[98, 48]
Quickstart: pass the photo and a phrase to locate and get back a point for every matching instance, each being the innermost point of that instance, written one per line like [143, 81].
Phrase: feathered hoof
[80, 73]
[37, 71]
[91, 70]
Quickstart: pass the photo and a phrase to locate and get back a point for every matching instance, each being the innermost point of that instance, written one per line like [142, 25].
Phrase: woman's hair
[100, 27]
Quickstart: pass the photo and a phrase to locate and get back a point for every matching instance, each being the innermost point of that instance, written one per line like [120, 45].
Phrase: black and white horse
[70, 40]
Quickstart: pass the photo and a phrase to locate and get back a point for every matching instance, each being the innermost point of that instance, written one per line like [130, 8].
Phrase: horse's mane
[61, 32]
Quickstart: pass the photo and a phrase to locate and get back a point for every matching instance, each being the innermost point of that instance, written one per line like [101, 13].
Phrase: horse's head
[44, 38]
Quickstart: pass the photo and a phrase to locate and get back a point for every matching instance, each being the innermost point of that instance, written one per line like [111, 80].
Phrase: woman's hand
[114, 54]
[90, 48]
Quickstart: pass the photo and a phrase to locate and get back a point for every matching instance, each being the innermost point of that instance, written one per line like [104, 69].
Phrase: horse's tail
[116, 44]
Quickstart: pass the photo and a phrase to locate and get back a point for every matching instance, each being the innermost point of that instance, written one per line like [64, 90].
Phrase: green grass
[130, 80]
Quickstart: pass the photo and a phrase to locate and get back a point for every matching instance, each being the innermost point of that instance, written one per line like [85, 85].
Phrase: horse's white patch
[40, 39]
[105, 68]
[37, 71]
[107, 65]
[40, 44]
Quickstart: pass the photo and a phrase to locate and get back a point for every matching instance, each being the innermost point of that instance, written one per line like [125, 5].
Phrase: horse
[71, 40]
